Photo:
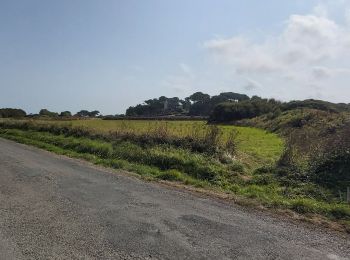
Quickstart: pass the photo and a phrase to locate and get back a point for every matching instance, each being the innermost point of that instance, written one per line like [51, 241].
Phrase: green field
[256, 147]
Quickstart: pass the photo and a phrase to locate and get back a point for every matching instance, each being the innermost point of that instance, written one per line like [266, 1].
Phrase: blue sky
[108, 55]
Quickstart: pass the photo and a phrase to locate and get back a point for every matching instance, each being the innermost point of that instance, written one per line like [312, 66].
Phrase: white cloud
[312, 49]
[306, 39]
[238, 51]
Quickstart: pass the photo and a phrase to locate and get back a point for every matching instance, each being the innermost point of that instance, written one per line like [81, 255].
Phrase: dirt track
[57, 208]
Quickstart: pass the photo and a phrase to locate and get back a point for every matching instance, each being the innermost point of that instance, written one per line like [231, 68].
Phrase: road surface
[53, 207]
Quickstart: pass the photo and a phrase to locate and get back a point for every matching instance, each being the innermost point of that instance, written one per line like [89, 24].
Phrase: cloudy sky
[108, 55]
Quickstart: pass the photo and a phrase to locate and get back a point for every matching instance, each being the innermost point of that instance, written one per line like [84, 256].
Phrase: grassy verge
[253, 147]
[167, 162]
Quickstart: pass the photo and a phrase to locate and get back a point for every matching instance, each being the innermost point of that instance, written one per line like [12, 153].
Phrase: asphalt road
[54, 207]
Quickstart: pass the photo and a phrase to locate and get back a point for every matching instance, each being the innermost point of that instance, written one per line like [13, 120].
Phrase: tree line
[197, 104]
[225, 107]
[12, 112]
[81, 113]
[19, 113]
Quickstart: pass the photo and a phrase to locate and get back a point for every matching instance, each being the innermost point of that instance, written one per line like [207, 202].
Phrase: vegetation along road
[53, 207]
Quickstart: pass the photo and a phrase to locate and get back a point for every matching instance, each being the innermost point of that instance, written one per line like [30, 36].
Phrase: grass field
[249, 172]
[256, 147]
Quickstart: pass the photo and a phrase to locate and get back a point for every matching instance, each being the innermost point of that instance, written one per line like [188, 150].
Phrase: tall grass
[254, 146]
[163, 157]
[208, 140]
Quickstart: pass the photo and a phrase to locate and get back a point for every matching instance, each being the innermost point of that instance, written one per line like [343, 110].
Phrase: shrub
[315, 104]
[171, 175]
[332, 171]
[265, 179]
[303, 206]
[331, 167]
[340, 212]
[236, 167]
[233, 111]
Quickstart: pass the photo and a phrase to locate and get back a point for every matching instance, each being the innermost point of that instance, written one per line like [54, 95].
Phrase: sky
[108, 55]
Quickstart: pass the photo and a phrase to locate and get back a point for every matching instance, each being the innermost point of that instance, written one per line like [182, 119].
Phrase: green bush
[340, 212]
[332, 171]
[233, 111]
[171, 175]
[265, 179]
[236, 167]
[303, 206]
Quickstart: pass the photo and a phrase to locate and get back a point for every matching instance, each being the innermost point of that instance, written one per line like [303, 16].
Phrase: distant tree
[200, 104]
[86, 113]
[12, 112]
[231, 111]
[199, 97]
[83, 113]
[231, 96]
[173, 105]
[135, 111]
[156, 107]
[256, 98]
[197, 104]
[94, 113]
[45, 112]
[186, 104]
[66, 114]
